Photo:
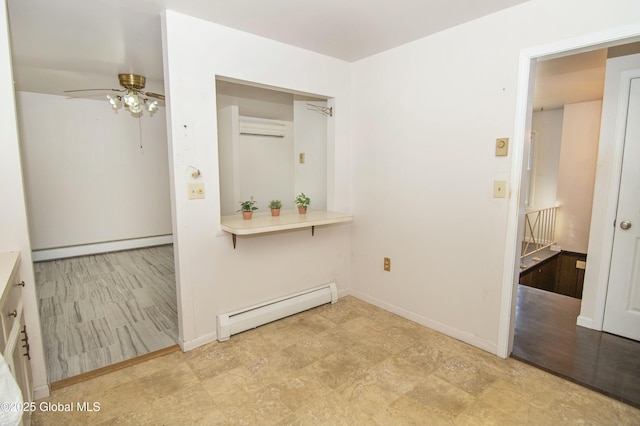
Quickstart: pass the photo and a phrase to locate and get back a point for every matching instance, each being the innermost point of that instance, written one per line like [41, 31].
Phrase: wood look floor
[546, 335]
[103, 309]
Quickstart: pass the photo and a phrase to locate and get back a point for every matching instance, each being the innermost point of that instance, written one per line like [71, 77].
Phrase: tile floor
[102, 309]
[344, 364]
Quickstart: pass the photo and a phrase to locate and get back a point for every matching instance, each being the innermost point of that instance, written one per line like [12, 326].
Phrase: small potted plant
[275, 206]
[302, 201]
[247, 208]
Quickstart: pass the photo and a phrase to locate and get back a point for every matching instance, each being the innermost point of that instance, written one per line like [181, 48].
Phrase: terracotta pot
[302, 210]
[275, 212]
[247, 215]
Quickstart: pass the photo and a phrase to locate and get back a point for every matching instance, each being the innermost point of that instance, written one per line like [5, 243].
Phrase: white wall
[576, 175]
[228, 159]
[275, 109]
[212, 276]
[92, 174]
[265, 168]
[14, 234]
[310, 138]
[425, 119]
[548, 128]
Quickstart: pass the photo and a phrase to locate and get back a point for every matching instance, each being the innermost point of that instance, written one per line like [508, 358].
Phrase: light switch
[499, 188]
[502, 147]
[196, 191]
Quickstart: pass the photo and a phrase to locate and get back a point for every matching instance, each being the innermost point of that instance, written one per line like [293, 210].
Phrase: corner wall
[426, 116]
[212, 277]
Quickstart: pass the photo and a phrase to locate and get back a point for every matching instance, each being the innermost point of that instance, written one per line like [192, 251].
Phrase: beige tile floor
[344, 364]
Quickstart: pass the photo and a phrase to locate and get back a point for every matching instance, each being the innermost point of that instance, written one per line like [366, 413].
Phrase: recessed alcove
[272, 144]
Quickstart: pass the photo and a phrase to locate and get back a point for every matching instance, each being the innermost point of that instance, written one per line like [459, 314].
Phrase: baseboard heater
[257, 315]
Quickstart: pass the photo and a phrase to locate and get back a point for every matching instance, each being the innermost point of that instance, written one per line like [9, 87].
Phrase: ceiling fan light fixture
[135, 109]
[131, 99]
[132, 95]
[115, 102]
[132, 81]
[152, 106]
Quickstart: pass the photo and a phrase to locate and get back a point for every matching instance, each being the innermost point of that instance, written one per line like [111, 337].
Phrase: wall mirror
[272, 144]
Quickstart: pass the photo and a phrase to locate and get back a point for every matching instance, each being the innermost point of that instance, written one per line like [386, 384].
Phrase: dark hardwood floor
[546, 335]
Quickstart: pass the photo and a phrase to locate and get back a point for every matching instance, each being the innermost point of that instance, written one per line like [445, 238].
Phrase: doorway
[98, 202]
[592, 307]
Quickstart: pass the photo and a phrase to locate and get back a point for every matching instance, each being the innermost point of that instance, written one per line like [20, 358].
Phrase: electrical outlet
[302, 158]
[387, 264]
[196, 191]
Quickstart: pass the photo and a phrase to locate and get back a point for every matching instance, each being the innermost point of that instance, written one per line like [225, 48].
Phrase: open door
[622, 310]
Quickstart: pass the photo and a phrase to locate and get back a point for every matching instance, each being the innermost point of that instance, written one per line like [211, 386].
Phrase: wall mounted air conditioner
[261, 127]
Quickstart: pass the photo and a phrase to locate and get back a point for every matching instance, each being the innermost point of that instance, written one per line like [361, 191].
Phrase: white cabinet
[14, 340]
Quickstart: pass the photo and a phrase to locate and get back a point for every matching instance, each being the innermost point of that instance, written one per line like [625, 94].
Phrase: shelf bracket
[313, 230]
[233, 237]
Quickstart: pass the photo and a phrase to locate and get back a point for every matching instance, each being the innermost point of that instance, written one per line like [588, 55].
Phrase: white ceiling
[570, 79]
[65, 44]
[75, 44]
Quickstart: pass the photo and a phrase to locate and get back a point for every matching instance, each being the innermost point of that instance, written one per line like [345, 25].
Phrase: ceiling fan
[133, 96]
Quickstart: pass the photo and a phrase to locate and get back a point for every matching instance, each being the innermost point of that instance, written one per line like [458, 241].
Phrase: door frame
[515, 209]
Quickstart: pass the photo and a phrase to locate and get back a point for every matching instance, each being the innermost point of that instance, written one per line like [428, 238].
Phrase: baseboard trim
[587, 323]
[344, 292]
[427, 322]
[97, 248]
[189, 345]
[41, 392]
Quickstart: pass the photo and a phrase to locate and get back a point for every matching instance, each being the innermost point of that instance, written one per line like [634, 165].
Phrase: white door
[622, 310]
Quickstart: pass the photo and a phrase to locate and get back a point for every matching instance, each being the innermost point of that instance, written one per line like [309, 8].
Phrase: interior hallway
[102, 309]
[546, 335]
[349, 363]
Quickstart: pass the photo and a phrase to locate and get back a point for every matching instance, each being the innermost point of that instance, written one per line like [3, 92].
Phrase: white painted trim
[508, 299]
[427, 322]
[110, 246]
[515, 211]
[187, 346]
[344, 292]
[585, 322]
[41, 392]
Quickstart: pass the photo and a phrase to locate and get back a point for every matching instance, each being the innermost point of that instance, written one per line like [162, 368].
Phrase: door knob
[625, 224]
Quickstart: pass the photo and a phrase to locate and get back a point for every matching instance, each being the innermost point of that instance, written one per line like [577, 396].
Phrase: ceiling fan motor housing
[132, 81]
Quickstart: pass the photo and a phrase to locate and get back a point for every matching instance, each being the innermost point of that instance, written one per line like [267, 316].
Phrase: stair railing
[539, 230]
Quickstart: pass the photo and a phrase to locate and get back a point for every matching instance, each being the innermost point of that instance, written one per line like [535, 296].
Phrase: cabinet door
[22, 367]
[542, 276]
[570, 278]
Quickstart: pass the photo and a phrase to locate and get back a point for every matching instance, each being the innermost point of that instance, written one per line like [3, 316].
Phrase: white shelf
[263, 222]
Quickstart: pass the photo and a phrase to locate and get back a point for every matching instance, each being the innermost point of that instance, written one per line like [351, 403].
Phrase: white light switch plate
[499, 188]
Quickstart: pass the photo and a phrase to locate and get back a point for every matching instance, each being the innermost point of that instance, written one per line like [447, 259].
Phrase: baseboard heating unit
[257, 315]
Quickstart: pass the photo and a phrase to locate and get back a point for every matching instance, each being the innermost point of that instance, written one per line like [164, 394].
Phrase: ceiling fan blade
[154, 95]
[92, 90]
